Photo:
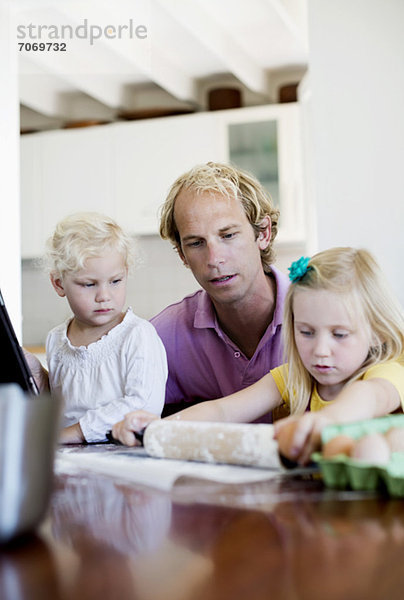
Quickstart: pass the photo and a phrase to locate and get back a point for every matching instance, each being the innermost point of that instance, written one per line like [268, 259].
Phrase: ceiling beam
[292, 14]
[96, 72]
[204, 27]
[141, 60]
[39, 90]
[145, 55]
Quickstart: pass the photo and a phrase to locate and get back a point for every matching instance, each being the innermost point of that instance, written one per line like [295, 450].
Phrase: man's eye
[228, 236]
[88, 284]
[116, 280]
[195, 244]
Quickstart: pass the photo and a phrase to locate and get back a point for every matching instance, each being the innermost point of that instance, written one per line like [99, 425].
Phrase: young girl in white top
[344, 336]
[103, 361]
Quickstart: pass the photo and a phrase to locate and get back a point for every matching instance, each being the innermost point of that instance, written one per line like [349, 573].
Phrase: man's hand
[136, 420]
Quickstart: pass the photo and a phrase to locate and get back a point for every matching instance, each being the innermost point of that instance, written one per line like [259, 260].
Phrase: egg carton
[343, 472]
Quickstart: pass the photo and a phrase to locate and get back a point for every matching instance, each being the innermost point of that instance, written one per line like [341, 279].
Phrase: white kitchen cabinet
[62, 172]
[287, 190]
[125, 169]
[149, 155]
[76, 173]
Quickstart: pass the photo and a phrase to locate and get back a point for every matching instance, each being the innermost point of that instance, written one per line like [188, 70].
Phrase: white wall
[158, 280]
[10, 254]
[356, 74]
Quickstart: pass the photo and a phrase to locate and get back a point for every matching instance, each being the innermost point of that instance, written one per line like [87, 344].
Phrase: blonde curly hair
[85, 235]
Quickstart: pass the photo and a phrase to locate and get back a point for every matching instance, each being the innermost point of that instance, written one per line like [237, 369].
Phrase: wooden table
[288, 538]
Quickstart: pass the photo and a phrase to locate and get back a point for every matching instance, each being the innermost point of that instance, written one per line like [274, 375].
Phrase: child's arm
[71, 435]
[39, 373]
[68, 435]
[242, 407]
[299, 437]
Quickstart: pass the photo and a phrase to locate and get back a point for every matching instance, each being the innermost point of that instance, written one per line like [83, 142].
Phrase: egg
[285, 437]
[340, 444]
[371, 448]
[395, 439]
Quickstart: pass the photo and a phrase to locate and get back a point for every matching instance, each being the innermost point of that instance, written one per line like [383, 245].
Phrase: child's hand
[136, 420]
[39, 373]
[299, 436]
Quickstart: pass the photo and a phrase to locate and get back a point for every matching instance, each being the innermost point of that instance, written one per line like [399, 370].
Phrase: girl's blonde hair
[357, 278]
[85, 235]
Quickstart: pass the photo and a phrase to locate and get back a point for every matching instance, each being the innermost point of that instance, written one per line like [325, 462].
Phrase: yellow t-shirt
[392, 370]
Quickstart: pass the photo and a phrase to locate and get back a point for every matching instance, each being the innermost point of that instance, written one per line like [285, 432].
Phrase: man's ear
[264, 236]
[57, 283]
[181, 255]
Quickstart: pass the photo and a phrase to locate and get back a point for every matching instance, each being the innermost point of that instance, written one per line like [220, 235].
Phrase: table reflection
[106, 539]
[113, 515]
[356, 548]
[306, 551]
[28, 571]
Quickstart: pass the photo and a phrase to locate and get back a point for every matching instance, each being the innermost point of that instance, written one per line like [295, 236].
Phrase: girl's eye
[116, 281]
[228, 236]
[340, 335]
[87, 285]
[306, 332]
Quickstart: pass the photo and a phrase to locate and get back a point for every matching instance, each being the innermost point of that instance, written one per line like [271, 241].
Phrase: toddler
[104, 361]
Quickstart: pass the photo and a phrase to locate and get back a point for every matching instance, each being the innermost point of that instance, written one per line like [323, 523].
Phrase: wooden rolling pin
[233, 443]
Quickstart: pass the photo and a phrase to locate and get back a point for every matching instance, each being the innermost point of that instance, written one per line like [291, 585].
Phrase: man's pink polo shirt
[203, 362]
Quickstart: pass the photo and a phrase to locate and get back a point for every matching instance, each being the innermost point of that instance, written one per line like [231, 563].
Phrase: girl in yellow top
[344, 338]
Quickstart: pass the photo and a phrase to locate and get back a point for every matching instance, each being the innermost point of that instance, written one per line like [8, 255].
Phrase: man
[225, 336]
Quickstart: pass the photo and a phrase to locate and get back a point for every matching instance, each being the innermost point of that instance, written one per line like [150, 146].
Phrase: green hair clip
[298, 269]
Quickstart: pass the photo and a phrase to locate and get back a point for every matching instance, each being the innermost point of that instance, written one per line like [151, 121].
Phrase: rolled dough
[232, 443]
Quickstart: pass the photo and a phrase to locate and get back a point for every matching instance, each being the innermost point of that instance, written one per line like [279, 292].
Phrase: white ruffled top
[123, 371]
